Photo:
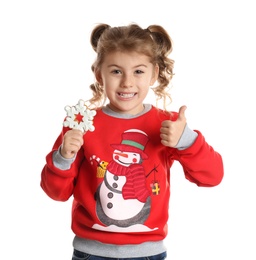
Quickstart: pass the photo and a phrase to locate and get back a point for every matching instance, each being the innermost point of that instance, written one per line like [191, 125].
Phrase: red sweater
[120, 179]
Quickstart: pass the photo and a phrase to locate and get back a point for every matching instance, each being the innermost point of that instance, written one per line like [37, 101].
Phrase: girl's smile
[126, 96]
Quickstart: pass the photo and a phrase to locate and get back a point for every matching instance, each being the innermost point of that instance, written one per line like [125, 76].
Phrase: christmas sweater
[120, 178]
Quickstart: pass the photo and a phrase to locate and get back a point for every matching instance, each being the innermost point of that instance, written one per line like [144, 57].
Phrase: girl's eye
[116, 71]
[139, 72]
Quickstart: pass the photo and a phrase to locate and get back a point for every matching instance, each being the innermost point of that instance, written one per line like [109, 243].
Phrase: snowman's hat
[133, 140]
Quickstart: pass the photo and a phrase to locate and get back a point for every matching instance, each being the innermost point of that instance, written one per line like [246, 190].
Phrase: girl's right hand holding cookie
[72, 142]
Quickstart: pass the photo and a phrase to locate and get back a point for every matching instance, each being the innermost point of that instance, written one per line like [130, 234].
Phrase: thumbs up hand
[171, 131]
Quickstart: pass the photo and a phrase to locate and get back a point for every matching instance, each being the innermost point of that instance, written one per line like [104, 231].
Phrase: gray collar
[106, 109]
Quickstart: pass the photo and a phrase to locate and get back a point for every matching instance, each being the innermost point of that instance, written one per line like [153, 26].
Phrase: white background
[45, 59]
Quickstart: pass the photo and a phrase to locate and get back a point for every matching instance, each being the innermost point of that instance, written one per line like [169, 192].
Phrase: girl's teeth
[126, 95]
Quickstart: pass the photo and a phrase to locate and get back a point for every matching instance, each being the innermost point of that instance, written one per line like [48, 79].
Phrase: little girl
[117, 166]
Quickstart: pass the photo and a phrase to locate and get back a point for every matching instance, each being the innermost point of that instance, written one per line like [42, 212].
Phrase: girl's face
[126, 79]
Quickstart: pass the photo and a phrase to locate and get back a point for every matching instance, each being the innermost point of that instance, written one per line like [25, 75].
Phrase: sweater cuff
[60, 162]
[187, 138]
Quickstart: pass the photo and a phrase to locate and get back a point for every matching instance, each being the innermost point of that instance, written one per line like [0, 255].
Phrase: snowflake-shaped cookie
[79, 117]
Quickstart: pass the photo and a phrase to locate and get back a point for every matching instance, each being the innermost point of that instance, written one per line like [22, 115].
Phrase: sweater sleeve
[201, 164]
[58, 183]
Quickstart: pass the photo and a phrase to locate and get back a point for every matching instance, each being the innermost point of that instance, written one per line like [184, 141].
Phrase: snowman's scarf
[135, 186]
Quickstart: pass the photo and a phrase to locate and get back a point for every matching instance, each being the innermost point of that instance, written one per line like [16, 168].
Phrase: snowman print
[123, 200]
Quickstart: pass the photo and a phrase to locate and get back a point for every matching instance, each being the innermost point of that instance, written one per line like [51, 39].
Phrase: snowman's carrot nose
[122, 154]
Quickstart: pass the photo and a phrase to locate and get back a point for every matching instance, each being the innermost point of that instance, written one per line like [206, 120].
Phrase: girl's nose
[127, 81]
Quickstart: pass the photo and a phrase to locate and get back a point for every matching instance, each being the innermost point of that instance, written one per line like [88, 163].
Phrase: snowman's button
[110, 205]
[115, 177]
[114, 185]
[110, 195]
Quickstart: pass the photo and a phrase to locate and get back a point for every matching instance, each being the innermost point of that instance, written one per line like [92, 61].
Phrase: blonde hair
[153, 42]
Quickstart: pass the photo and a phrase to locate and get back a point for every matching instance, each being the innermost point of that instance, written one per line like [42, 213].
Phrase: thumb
[182, 112]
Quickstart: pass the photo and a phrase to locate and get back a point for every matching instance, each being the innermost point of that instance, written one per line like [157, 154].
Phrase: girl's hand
[72, 142]
[171, 131]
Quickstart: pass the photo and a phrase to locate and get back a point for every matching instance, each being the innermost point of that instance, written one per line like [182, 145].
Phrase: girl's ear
[155, 75]
[98, 77]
